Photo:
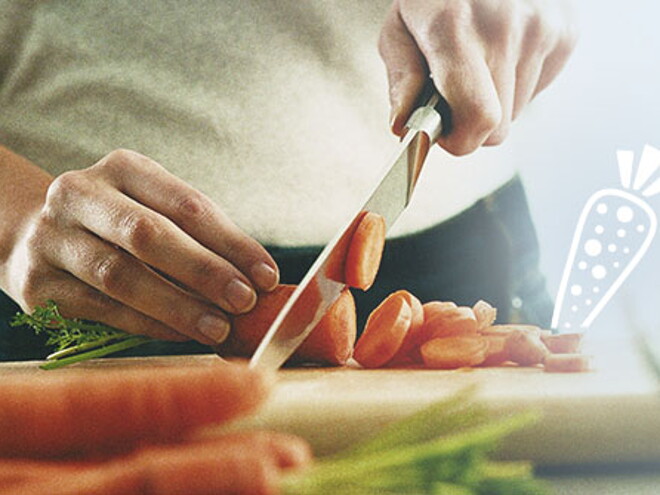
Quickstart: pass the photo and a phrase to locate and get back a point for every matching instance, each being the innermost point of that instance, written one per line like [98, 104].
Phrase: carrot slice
[331, 341]
[497, 352]
[384, 332]
[333, 338]
[567, 363]
[454, 352]
[563, 343]
[108, 411]
[485, 314]
[526, 348]
[411, 341]
[447, 320]
[365, 251]
[335, 268]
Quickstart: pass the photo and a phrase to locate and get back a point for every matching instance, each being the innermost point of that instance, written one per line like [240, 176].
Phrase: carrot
[447, 320]
[72, 413]
[563, 343]
[526, 347]
[335, 268]
[454, 352]
[384, 331]
[405, 354]
[249, 463]
[484, 313]
[567, 363]
[331, 341]
[497, 352]
[365, 251]
[333, 338]
[506, 329]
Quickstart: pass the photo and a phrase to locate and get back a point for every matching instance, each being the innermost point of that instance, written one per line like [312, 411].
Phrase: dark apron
[489, 251]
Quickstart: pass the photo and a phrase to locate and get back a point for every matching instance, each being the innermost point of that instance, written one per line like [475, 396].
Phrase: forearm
[23, 187]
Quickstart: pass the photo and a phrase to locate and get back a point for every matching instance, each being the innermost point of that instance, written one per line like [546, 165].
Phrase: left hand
[488, 59]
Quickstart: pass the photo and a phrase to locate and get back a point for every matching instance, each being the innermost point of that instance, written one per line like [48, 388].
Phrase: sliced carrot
[484, 313]
[567, 363]
[497, 352]
[75, 412]
[335, 268]
[365, 251]
[331, 341]
[411, 341]
[384, 332]
[563, 343]
[506, 329]
[333, 338]
[443, 320]
[454, 352]
[526, 348]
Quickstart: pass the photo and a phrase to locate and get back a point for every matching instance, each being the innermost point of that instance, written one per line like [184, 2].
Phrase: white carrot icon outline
[598, 203]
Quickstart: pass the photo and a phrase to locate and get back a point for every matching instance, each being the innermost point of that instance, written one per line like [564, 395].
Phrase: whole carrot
[77, 412]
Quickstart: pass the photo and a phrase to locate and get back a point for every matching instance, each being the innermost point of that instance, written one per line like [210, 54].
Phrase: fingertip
[265, 275]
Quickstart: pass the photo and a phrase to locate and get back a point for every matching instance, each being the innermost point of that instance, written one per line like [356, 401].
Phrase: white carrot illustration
[614, 231]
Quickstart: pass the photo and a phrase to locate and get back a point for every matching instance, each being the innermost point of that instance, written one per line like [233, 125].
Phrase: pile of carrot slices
[402, 332]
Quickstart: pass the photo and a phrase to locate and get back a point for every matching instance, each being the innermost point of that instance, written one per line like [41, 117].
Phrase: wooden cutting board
[611, 414]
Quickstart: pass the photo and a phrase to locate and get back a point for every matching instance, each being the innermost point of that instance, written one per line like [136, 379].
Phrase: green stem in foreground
[96, 352]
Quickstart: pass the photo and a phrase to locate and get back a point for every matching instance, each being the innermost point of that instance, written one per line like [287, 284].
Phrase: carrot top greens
[75, 340]
[441, 450]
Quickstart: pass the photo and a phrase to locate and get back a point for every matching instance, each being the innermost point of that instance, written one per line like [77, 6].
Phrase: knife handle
[432, 114]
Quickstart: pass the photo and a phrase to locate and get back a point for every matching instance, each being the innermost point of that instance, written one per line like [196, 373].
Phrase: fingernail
[214, 327]
[265, 276]
[396, 119]
[240, 295]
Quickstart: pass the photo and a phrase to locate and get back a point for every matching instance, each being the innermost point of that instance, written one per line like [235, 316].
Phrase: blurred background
[606, 99]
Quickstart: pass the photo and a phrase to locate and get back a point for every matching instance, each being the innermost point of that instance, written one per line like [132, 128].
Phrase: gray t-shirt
[276, 110]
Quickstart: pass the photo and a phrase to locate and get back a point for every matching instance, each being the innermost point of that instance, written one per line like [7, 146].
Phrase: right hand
[126, 243]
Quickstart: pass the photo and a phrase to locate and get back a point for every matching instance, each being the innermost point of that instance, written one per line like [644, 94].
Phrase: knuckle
[446, 27]
[140, 232]
[194, 208]
[109, 274]
[64, 189]
[539, 34]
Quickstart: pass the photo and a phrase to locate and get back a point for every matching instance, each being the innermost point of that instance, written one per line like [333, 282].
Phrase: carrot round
[365, 251]
[331, 341]
[497, 352]
[567, 363]
[384, 332]
[454, 352]
[484, 313]
[75, 412]
[405, 354]
[526, 348]
[443, 319]
[563, 343]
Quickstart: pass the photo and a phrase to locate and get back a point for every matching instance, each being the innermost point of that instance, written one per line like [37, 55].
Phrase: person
[165, 162]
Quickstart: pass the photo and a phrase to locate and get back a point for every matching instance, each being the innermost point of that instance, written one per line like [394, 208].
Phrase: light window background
[607, 98]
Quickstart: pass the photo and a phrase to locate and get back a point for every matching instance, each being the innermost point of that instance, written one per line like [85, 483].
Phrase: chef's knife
[320, 287]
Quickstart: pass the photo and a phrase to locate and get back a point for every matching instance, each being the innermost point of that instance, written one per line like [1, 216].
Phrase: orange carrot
[563, 343]
[454, 352]
[249, 463]
[526, 347]
[384, 331]
[333, 338]
[335, 268]
[365, 251]
[497, 352]
[331, 341]
[447, 320]
[567, 363]
[405, 354]
[484, 313]
[76, 411]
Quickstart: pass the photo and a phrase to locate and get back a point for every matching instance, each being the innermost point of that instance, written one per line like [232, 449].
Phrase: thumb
[406, 68]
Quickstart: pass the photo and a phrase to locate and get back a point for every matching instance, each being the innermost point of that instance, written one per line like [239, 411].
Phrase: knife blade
[321, 285]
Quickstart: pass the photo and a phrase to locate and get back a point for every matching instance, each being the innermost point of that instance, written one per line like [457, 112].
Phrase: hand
[488, 59]
[126, 243]
[132, 431]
